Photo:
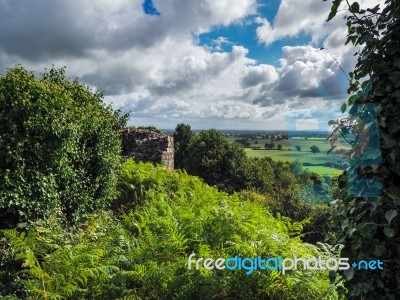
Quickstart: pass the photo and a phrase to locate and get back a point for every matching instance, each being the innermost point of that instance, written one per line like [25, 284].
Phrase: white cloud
[153, 66]
[306, 17]
[260, 74]
[294, 18]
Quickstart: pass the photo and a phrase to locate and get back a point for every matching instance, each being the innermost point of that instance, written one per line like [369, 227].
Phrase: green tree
[371, 223]
[279, 147]
[269, 146]
[315, 149]
[298, 148]
[59, 147]
[297, 167]
[217, 161]
[182, 136]
[259, 175]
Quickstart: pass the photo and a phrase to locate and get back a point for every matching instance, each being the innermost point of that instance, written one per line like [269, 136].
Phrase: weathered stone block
[148, 146]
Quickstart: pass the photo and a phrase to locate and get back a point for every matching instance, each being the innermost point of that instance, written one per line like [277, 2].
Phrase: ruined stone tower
[148, 146]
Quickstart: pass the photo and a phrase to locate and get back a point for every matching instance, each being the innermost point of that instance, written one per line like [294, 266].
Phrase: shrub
[59, 147]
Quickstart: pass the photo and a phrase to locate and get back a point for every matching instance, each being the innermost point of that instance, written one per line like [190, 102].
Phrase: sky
[226, 64]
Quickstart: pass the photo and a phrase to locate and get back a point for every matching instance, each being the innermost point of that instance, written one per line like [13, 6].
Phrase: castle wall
[148, 146]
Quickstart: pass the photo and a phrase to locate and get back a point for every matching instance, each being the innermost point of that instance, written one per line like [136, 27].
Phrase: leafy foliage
[182, 136]
[211, 157]
[216, 160]
[370, 223]
[61, 264]
[59, 147]
[144, 253]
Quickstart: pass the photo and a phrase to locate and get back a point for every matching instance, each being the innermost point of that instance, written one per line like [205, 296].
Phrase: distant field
[310, 139]
[305, 155]
[324, 171]
[305, 144]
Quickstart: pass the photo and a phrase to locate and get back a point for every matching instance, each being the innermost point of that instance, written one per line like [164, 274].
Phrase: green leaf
[374, 10]
[343, 107]
[355, 8]
[349, 273]
[391, 157]
[352, 99]
[334, 9]
[388, 141]
[352, 39]
[389, 232]
[390, 215]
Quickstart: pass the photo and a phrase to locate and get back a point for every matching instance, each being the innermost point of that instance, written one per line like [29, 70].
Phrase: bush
[59, 147]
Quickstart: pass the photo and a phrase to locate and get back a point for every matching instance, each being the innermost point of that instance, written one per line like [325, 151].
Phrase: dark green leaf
[390, 215]
[354, 8]
[349, 273]
[343, 107]
[389, 232]
[334, 9]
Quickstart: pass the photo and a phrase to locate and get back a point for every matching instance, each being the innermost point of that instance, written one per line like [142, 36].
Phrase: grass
[305, 144]
[324, 171]
[317, 160]
[303, 156]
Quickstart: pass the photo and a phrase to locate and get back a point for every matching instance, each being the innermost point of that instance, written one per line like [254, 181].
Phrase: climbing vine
[369, 216]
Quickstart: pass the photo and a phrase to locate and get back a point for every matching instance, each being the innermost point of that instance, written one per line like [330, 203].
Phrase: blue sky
[227, 64]
[245, 35]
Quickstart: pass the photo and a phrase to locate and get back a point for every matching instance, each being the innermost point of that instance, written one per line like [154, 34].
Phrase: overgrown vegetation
[287, 186]
[59, 172]
[59, 148]
[142, 253]
[369, 215]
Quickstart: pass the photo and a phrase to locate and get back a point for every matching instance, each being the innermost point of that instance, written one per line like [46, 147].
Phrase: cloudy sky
[227, 64]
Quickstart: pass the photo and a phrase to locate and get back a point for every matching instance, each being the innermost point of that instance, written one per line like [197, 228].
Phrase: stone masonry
[148, 146]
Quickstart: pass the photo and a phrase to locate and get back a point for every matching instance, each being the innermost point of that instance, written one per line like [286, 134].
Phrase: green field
[305, 144]
[316, 159]
[290, 153]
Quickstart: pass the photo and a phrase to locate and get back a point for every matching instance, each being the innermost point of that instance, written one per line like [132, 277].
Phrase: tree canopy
[216, 160]
[182, 136]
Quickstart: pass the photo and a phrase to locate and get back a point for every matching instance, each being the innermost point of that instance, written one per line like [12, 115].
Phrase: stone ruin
[148, 146]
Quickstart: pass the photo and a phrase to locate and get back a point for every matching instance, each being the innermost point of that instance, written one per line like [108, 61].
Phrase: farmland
[297, 148]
